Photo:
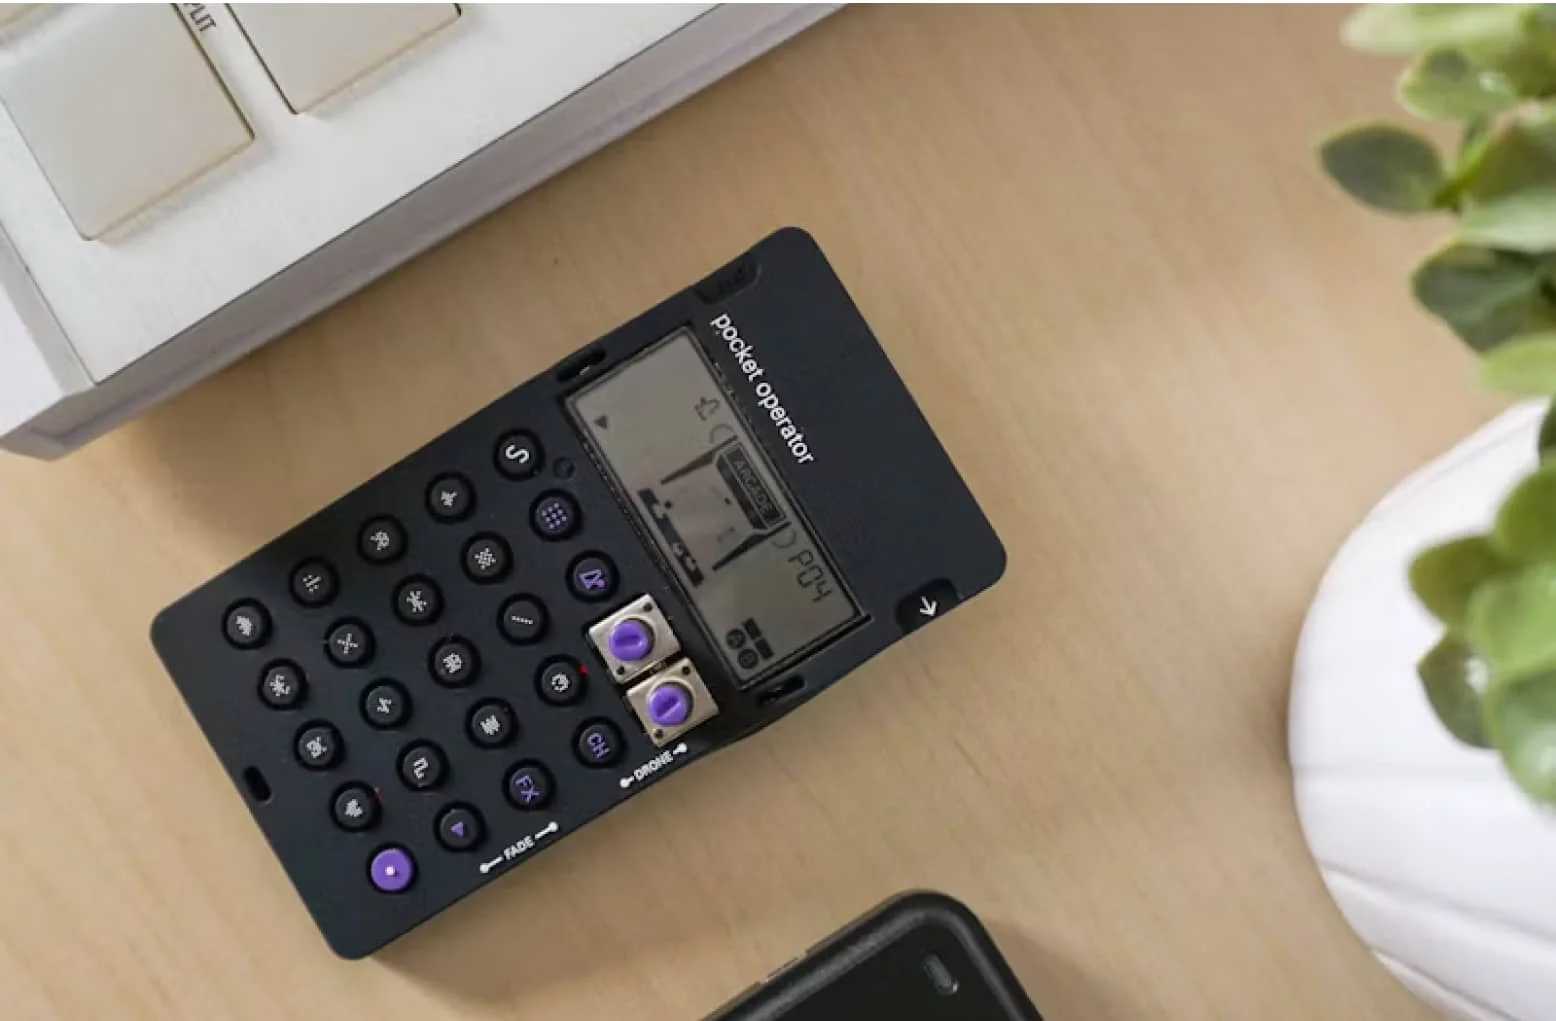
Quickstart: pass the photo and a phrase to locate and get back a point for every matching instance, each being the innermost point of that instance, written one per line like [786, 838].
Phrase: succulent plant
[1490, 69]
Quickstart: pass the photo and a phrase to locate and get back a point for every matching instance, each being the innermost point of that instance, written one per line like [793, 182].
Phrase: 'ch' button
[926, 603]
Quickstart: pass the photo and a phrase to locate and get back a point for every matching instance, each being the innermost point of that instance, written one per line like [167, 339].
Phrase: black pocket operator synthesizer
[681, 533]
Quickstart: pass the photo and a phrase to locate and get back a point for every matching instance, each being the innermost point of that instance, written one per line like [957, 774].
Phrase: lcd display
[707, 496]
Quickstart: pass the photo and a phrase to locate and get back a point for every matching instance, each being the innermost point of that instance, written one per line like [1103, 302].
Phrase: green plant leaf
[1511, 622]
[1525, 528]
[1453, 677]
[1523, 221]
[1520, 719]
[1520, 156]
[1474, 143]
[1444, 85]
[1446, 576]
[1385, 167]
[1525, 58]
[1524, 365]
[1485, 296]
[1395, 29]
[1547, 441]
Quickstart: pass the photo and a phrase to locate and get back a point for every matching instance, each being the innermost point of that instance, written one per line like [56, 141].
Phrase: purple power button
[392, 869]
[669, 705]
[631, 640]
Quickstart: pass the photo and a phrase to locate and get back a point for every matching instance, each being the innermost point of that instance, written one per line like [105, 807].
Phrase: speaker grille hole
[258, 787]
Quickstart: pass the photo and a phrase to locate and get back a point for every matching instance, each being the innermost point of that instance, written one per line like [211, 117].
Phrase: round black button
[247, 625]
[349, 643]
[385, 704]
[422, 766]
[529, 786]
[560, 682]
[418, 601]
[592, 577]
[523, 620]
[599, 744]
[281, 685]
[518, 455]
[319, 746]
[491, 724]
[381, 540]
[555, 516]
[486, 558]
[450, 497]
[355, 807]
[460, 828]
[454, 662]
[314, 583]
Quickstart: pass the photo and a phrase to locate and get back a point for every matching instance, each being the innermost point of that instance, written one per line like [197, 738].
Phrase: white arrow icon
[487, 866]
[552, 828]
[927, 606]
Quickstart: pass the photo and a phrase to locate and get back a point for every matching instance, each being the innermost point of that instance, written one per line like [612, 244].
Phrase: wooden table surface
[1174, 366]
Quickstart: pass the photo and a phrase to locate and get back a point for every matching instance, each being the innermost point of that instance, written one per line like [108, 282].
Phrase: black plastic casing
[909, 918]
[881, 495]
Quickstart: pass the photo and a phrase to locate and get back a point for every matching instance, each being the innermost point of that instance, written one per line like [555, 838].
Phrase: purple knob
[669, 705]
[631, 640]
[392, 869]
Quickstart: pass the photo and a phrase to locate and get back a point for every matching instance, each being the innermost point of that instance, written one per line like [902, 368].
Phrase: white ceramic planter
[1435, 858]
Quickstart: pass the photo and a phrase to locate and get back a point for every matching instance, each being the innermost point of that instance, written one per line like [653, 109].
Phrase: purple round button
[392, 869]
[669, 705]
[630, 640]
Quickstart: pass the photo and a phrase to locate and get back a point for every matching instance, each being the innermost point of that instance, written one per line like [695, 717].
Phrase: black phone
[921, 956]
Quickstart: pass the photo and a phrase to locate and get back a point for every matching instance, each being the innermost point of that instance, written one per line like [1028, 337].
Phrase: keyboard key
[529, 786]
[349, 643]
[460, 828]
[486, 558]
[599, 744]
[418, 601]
[385, 705]
[450, 497]
[523, 620]
[592, 577]
[247, 625]
[120, 108]
[454, 662]
[355, 807]
[319, 746]
[314, 583]
[560, 682]
[422, 766]
[282, 686]
[314, 50]
[555, 516]
[382, 540]
[491, 724]
[518, 455]
[392, 869]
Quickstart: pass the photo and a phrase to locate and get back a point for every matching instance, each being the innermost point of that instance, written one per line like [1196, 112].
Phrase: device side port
[672, 701]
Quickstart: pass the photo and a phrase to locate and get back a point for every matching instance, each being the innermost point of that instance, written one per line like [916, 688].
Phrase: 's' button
[926, 603]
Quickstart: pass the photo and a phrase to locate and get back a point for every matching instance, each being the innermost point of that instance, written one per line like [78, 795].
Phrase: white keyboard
[181, 183]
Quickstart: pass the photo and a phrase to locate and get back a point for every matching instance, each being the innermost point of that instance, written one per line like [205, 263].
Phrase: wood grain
[1172, 363]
